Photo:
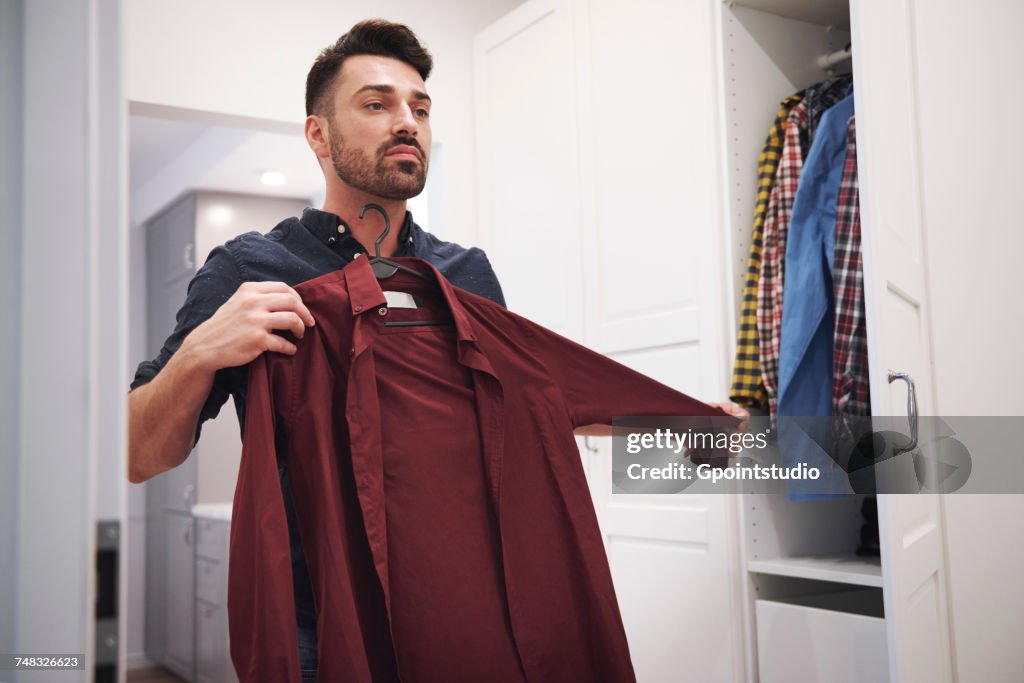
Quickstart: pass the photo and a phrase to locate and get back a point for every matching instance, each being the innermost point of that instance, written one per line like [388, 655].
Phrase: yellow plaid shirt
[747, 387]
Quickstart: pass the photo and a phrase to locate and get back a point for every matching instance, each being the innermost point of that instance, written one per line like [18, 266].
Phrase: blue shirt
[808, 305]
[297, 250]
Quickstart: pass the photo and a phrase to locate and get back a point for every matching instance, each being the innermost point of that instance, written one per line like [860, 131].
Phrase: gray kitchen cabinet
[213, 655]
[178, 616]
[178, 238]
[169, 496]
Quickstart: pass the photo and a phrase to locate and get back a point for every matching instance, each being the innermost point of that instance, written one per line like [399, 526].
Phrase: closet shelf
[823, 12]
[837, 568]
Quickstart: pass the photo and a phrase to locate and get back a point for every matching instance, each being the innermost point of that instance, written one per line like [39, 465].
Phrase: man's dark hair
[370, 37]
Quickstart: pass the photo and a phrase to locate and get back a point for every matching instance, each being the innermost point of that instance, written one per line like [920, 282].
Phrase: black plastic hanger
[383, 268]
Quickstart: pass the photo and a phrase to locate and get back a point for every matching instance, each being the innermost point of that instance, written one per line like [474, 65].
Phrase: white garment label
[400, 300]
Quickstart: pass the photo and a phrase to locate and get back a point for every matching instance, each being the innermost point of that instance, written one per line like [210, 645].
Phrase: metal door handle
[911, 409]
[190, 263]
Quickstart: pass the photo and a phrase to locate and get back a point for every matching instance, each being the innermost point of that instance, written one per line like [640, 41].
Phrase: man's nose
[405, 122]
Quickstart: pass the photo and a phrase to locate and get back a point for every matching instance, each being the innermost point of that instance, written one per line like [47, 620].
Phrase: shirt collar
[328, 226]
[366, 295]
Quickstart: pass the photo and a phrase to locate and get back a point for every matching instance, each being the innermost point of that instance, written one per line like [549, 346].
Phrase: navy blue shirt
[296, 250]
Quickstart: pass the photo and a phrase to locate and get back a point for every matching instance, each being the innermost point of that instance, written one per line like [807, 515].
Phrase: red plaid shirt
[850, 393]
[773, 253]
[800, 126]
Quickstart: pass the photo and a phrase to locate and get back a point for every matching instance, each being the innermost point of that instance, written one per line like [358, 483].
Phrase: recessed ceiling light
[272, 178]
[219, 214]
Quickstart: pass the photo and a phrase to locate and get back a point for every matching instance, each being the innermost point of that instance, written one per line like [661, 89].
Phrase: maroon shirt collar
[365, 293]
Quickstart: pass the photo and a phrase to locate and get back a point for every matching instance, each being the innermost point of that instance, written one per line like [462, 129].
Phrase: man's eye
[376, 106]
[423, 113]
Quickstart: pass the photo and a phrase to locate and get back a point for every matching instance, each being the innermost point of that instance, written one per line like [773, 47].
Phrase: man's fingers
[286, 320]
[283, 289]
[276, 342]
[277, 296]
[267, 287]
[283, 301]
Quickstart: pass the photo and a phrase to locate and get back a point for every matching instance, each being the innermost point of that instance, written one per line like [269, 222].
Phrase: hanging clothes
[747, 386]
[808, 317]
[851, 393]
[440, 496]
[800, 128]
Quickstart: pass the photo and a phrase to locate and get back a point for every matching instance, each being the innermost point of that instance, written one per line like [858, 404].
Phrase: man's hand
[162, 414]
[243, 327]
[715, 457]
[736, 411]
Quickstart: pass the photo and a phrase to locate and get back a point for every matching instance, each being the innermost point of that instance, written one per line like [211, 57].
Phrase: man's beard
[380, 177]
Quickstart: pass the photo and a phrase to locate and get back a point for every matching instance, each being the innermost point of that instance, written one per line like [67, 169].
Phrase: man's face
[380, 130]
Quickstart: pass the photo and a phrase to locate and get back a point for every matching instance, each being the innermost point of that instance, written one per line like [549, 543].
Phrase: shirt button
[352, 351]
[331, 241]
[341, 229]
[383, 310]
[357, 255]
[358, 308]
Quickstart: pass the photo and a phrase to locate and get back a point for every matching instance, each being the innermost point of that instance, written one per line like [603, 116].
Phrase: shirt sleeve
[597, 388]
[490, 287]
[212, 285]
[261, 603]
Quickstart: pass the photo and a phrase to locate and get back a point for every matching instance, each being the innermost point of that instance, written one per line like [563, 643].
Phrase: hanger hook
[387, 225]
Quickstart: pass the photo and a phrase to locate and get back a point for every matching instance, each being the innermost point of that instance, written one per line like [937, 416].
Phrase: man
[368, 122]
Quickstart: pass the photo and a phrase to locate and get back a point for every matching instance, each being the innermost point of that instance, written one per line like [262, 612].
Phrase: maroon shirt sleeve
[597, 388]
[261, 602]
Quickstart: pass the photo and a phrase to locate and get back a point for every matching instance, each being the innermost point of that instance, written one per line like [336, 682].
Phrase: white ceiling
[168, 157]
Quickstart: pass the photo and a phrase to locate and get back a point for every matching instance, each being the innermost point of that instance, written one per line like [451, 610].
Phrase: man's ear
[317, 136]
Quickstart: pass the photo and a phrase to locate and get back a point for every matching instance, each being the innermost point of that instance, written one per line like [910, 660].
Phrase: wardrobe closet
[618, 146]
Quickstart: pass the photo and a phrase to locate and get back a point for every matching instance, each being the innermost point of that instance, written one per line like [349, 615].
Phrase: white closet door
[650, 209]
[597, 128]
[528, 163]
[888, 105]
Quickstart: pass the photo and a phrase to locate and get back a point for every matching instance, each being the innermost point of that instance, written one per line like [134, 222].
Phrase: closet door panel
[670, 564]
[971, 172]
[527, 162]
[647, 151]
[670, 558]
[888, 106]
[653, 296]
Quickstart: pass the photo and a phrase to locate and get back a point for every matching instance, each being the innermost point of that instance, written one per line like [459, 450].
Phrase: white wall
[250, 59]
[70, 432]
[11, 90]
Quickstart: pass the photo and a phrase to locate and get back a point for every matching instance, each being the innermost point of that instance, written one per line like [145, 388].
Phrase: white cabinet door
[596, 129]
[652, 291]
[648, 147]
[958, 179]
[888, 105]
[527, 162]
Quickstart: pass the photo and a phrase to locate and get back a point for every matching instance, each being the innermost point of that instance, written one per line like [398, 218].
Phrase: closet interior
[810, 599]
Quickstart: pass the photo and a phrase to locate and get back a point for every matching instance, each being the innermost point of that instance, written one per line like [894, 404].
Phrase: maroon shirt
[442, 504]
